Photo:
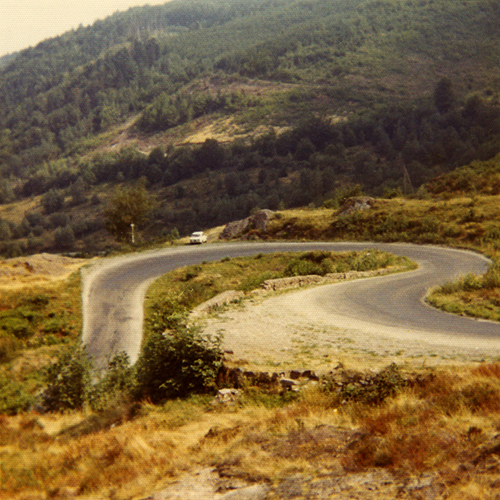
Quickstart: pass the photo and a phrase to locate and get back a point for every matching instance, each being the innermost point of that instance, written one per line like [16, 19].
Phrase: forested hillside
[308, 96]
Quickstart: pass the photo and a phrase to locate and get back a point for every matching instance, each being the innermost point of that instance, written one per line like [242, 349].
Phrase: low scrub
[173, 364]
[373, 389]
[438, 425]
[38, 316]
[475, 296]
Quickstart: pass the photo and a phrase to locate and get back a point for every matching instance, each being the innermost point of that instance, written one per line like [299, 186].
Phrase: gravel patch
[288, 327]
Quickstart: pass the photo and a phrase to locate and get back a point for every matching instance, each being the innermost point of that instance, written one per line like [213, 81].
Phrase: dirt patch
[44, 267]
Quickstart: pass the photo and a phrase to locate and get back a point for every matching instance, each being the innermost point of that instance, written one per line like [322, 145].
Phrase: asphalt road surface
[114, 292]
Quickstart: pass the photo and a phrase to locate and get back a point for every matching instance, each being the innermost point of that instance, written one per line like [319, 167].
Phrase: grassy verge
[466, 222]
[476, 296]
[36, 323]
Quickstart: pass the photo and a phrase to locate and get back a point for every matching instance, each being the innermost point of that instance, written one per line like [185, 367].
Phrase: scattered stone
[226, 397]
[215, 302]
[288, 384]
[356, 204]
[310, 375]
[255, 492]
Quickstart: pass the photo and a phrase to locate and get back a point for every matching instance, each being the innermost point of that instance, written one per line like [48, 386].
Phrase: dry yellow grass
[441, 427]
[14, 212]
[37, 270]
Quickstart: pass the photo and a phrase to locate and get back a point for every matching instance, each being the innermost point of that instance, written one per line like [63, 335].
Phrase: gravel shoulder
[289, 328]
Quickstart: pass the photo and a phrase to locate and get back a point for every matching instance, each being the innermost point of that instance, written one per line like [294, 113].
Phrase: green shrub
[177, 364]
[116, 385]
[492, 277]
[19, 322]
[13, 398]
[316, 262]
[19, 327]
[56, 326]
[374, 389]
[37, 300]
[370, 260]
[69, 382]
[9, 345]
[167, 314]
[300, 267]
[342, 195]
[470, 282]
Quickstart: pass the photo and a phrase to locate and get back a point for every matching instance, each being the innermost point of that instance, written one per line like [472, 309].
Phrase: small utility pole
[132, 226]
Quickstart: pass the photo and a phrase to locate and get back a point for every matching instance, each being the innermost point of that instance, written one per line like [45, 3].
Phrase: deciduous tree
[129, 205]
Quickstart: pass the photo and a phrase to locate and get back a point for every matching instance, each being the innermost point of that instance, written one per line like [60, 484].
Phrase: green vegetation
[173, 295]
[475, 296]
[47, 319]
[177, 365]
[307, 98]
[40, 316]
[36, 322]
[128, 209]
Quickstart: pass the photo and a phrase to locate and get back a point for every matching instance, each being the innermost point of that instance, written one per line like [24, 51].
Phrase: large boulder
[258, 221]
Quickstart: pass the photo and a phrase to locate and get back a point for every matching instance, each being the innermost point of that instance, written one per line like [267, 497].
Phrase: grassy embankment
[437, 428]
[36, 322]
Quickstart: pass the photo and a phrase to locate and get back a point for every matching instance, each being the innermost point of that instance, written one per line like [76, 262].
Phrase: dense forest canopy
[385, 93]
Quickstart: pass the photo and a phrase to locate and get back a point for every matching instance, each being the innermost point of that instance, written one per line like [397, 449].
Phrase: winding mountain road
[114, 292]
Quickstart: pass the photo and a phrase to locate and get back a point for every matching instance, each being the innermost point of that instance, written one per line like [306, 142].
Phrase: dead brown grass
[441, 426]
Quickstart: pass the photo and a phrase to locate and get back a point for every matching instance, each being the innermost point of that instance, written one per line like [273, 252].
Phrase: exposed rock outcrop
[357, 204]
[258, 221]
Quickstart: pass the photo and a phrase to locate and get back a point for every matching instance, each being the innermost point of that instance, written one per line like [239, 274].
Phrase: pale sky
[24, 23]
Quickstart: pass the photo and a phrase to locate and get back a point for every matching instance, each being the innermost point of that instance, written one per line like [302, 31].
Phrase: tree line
[56, 96]
[396, 149]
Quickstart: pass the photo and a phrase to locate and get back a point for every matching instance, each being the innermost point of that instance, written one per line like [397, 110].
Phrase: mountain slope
[88, 79]
[386, 93]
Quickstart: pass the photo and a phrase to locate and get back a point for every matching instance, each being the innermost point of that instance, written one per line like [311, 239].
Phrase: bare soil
[40, 268]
